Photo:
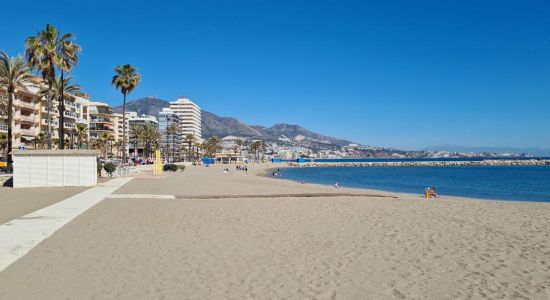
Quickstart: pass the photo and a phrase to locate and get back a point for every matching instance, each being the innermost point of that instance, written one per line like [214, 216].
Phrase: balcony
[69, 114]
[28, 105]
[69, 125]
[52, 110]
[69, 104]
[44, 122]
[29, 118]
[3, 128]
[27, 131]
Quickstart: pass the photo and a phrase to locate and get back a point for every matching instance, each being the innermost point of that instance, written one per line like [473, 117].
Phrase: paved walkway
[15, 203]
[19, 236]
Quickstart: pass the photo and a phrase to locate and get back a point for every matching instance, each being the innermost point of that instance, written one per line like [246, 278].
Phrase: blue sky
[403, 74]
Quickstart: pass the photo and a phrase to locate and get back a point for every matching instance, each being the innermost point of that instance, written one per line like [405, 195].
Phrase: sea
[518, 183]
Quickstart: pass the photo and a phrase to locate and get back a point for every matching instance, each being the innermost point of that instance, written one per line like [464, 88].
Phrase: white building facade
[190, 117]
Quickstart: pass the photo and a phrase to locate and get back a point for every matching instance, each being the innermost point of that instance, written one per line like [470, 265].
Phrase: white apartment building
[118, 129]
[26, 117]
[190, 116]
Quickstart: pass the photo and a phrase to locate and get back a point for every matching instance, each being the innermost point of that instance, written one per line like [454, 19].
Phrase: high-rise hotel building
[190, 116]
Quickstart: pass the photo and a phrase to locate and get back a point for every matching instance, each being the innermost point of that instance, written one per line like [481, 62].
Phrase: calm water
[529, 183]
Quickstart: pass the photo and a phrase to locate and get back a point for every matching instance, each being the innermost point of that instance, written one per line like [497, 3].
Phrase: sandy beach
[244, 236]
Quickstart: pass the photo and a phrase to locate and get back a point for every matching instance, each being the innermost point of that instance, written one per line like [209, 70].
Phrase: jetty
[488, 162]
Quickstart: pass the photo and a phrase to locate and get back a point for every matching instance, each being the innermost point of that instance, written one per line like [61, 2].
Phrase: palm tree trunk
[10, 129]
[173, 147]
[61, 116]
[124, 129]
[48, 114]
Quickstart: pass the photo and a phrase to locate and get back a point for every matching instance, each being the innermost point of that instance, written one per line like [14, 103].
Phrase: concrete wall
[54, 168]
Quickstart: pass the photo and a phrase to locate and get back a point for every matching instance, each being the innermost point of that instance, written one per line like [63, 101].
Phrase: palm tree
[150, 137]
[135, 132]
[40, 140]
[118, 147]
[61, 88]
[102, 143]
[172, 131]
[212, 145]
[190, 140]
[257, 147]
[13, 73]
[72, 134]
[3, 143]
[81, 134]
[3, 107]
[47, 51]
[68, 54]
[238, 146]
[126, 79]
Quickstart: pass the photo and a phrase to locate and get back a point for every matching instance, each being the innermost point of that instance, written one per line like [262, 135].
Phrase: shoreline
[268, 170]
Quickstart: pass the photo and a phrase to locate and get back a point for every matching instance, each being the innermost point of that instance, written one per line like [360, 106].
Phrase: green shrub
[109, 168]
[170, 167]
[182, 168]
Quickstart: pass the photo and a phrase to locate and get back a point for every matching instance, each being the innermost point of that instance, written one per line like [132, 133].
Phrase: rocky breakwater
[499, 162]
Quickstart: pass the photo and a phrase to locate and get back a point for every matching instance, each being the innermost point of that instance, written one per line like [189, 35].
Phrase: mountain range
[296, 135]
[214, 125]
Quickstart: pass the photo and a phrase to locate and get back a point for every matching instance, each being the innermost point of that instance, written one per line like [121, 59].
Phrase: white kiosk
[54, 168]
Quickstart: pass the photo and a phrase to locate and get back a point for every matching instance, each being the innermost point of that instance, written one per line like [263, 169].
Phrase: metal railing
[69, 103]
[27, 105]
[45, 122]
[27, 131]
[69, 114]
[52, 110]
[31, 118]
[3, 128]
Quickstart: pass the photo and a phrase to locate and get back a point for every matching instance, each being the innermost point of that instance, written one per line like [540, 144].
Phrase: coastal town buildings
[31, 111]
[135, 147]
[118, 126]
[170, 142]
[190, 117]
[26, 117]
[101, 123]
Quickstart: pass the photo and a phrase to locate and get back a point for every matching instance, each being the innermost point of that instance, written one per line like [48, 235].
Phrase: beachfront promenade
[203, 234]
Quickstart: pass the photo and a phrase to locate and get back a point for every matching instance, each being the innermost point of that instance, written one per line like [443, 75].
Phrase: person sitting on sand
[336, 185]
[434, 193]
[430, 192]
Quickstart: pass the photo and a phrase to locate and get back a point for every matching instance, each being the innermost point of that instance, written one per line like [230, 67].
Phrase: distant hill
[465, 149]
[145, 106]
[228, 126]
